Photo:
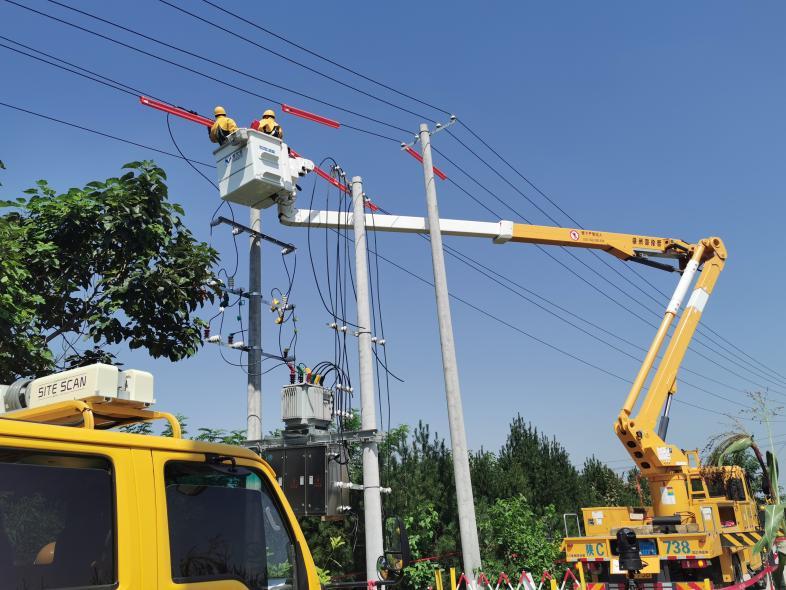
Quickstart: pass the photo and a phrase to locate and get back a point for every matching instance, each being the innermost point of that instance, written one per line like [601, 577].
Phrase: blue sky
[661, 119]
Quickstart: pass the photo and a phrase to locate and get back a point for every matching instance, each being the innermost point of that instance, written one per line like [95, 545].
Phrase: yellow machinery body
[88, 508]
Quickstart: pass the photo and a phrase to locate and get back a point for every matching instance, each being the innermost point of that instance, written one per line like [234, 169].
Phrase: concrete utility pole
[254, 396]
[368, 417]
[470, 548]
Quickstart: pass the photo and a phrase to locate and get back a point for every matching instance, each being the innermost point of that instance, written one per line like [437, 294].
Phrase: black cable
[523, 332]
[90, 74]
[330, 61]
[215, 186]
[597, 255]
[237, 35]
[197, 56]
[80, 127]
[594, 287]
[159, 151]
[391, 139]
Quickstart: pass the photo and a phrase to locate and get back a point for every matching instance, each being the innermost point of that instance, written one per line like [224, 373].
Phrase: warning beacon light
[98, 382]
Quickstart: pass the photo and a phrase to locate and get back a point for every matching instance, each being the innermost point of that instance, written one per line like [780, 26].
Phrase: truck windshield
[225, 524]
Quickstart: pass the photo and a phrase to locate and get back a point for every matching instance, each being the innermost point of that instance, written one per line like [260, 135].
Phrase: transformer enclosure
[309, 474]
[306, 405]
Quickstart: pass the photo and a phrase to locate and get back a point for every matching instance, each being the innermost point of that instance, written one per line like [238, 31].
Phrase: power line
[573, 255]
[224, 10]
[572, 271]
[756, 372]
[289, 59]
[451, 251]
[114, 137]
[475, 135]
[550, 200]
[204, 75]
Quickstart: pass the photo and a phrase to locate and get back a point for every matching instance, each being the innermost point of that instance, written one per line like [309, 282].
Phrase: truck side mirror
[397, 554]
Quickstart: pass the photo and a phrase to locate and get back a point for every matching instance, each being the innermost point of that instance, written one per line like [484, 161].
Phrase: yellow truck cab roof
[15, 428]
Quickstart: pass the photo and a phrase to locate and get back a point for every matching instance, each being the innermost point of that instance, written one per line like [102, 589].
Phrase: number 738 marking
[677, 547]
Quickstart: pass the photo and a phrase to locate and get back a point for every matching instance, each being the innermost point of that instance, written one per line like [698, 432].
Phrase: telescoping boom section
[637, 433]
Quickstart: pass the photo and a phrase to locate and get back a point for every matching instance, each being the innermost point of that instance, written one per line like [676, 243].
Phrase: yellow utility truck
[704, 520]
[86, 507]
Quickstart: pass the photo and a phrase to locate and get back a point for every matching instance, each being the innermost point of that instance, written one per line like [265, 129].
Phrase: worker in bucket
[269, 125]
[222, 127]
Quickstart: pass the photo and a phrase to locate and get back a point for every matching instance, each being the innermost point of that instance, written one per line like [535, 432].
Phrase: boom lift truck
[704, 521]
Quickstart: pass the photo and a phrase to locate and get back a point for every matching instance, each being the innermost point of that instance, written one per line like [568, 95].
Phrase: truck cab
[86, 507]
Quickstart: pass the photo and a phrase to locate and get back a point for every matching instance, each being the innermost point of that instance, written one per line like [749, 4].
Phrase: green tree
[107, 263]
[600, 486]
[538, 467]
[515, 537]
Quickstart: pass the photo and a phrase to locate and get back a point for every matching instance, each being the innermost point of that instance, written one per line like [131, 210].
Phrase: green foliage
[600, 486]
[182, 420]
[533, 465]
[218, 435]
[107, 263]
[515, 537]
[773, 523]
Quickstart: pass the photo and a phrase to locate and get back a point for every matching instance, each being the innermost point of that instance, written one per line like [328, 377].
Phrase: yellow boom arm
[645, 445]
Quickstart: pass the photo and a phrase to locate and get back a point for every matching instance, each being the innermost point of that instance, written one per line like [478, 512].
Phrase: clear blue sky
[663, 119]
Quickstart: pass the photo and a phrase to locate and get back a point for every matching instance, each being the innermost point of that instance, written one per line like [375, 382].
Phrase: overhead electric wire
[578, 259]
[461, 300]
[451, 251]
[224, 10]
[528, 335]
[363, 131]
[203, 58]
[289, 59]
[202, 74]
[572, 271]
[550, 200]
[486, 144]
[114, 137]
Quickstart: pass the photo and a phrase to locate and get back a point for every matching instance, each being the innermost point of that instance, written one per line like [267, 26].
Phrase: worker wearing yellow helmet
[268, 125]
[222, 127]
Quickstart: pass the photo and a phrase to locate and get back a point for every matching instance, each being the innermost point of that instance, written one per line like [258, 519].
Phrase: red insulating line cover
[419, 158]
[172, 110]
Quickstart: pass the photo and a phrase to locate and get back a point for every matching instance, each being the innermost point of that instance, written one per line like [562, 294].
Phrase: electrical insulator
[207, 332]
[230, 339]
[214, 339]
[231, 282]
[238, 344]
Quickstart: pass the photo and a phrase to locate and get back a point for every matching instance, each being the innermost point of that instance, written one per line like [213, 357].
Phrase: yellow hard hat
[269, 113]
[219, 111]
